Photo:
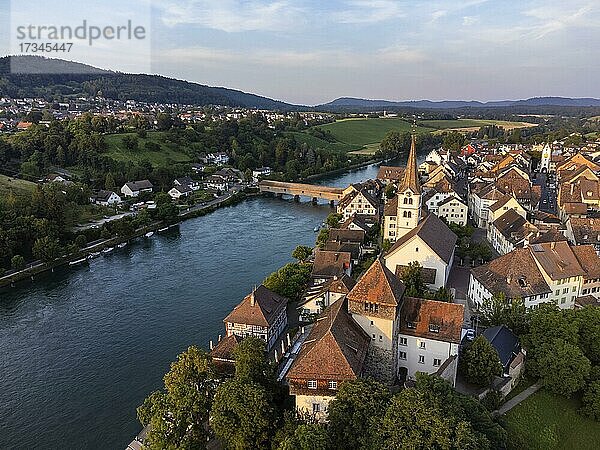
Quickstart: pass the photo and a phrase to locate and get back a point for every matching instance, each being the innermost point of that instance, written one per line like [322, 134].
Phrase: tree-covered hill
[56, 79]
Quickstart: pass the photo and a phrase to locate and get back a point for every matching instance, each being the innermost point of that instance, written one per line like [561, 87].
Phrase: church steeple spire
[411, 174]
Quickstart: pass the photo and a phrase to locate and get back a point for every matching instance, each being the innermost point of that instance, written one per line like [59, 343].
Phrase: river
[80, 349]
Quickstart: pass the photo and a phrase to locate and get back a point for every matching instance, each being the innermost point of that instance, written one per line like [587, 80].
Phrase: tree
[164, 122]
[479, 362]
[412, 276]
[178, 415]
[47, 249]
[251, 364]
[356, 412]
[394, 143]
[302, 253]
[386, 245]
[81, 241]
[462, 408]
[165, 209]
[546, 324]
[289, 281]
[130, 142]
[412, 422]
[242, 415]
[453, 141]
[563, 368]
[109, 182]
[499, 310]
[390, 190]
[588, 319]
[306, 437]
[323, 237]
[443, 294]
[591, 401]
[333, 220]
[17, 262]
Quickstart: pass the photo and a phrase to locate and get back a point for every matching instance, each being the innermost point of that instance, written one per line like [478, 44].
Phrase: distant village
[13, 111]
[542, 225]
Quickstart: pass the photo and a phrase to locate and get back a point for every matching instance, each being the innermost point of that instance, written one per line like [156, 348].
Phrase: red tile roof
[378, 285]
[261, 308]
[428, 315]
[335, 349]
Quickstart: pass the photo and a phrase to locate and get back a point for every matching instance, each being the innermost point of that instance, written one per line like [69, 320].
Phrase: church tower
[409, 195]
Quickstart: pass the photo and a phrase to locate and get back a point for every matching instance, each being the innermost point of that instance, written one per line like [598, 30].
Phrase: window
[437, 362]
[403, 341]
[434, 328]
[373, 337]
[402, 355]
[316, 408]
[311, 384]
[574, 289]
[421, 359]
[417, 250]
[411, 325]
[371, 323]
[332, 385]
[422, 344]
[563, 300]
[380, 338]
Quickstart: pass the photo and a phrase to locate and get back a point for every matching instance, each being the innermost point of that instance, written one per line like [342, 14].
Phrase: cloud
[553, 18]
[470, 20]
[438, 14]
[292, 58]
[369, 11]
[233, 15]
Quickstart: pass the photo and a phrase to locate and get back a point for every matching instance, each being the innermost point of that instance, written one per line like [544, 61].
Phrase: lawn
[550, 422]
[15, 185]
[361, 132]
[169, 152]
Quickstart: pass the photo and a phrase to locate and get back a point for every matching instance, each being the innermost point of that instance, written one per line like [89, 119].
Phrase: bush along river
[82, 348]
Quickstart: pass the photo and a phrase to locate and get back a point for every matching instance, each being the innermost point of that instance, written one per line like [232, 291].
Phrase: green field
[169, 152]
[315, 142]
[550, 422]
[361, 132]
[14, 185]
[472, 123]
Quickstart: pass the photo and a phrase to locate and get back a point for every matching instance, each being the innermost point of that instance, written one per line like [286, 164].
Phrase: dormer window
[434, 328]
[411, 325]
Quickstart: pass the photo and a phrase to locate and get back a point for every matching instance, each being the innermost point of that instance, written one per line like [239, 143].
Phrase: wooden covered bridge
[298, 190]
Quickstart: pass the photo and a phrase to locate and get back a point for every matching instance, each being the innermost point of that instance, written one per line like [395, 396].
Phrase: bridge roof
[301, 186]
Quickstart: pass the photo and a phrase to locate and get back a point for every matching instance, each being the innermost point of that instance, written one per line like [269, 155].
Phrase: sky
[311, 52]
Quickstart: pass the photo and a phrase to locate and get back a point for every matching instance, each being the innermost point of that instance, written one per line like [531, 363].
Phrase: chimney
[252, 300]
[552, 245]
[508, 279]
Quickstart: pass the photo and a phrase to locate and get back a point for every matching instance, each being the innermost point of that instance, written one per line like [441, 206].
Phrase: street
[548, 198]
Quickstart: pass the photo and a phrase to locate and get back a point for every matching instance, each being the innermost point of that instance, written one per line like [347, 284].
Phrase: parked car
[470, 335]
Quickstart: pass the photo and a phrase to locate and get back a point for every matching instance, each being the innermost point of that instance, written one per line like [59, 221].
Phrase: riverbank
[38, 267]
[331, 173]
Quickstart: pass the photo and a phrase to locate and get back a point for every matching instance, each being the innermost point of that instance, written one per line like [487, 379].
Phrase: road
[100, 222]
[548, 198]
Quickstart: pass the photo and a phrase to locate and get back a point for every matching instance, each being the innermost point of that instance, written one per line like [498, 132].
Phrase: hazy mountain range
[57, 79]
